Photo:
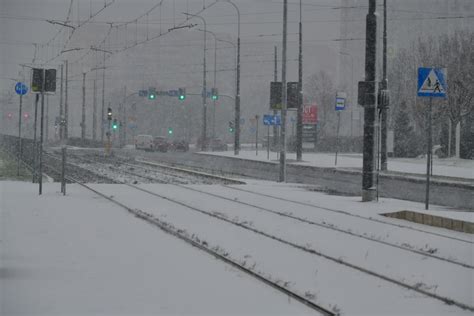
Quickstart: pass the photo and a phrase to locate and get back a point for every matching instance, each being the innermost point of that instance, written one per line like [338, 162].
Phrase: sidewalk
[451, 167]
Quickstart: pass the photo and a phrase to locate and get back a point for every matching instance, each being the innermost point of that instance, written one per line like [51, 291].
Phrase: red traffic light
[26, 115]
[9, 115]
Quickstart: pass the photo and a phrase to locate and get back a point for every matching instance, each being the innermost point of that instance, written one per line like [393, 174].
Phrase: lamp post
[204, 88]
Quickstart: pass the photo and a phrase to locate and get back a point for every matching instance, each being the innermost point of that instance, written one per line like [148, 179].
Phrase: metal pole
[61, 114]
[384, 127]
[268, 142]
[256, 136]
[282, 175]
[204, 94]
[368, 189]
[94, 112]
[66, 109]
[40, 179]
[35, 147]
[215, 82]
[337, 135]
[428, 158]
[275, 112]
[46, 130]
[83, 121]
[63, 171]
[299, 113]
[19, 136]
[237, 92]
[102, 127]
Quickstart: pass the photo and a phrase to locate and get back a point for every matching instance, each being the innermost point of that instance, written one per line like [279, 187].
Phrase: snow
[82, 254]
[452, 167]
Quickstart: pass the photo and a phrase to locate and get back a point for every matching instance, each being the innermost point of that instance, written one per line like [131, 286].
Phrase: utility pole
[40, 172]
[46, 132]
[83, 121]
[204, 95]
[61, 114]
[66, 110]
[102, 120]
[35, 144]
[299, 113]
[282, 177]
[384, 96]
[94, 112]
[369, 97]
[275, 112]
[20, 149]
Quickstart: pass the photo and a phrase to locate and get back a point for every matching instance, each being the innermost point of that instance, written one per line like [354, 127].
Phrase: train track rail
[338, 260]
[204, 246]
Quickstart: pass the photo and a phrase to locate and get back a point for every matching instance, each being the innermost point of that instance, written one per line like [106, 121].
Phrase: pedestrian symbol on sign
[431, 82]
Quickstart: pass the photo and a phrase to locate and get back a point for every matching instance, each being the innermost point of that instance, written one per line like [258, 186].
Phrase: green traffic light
[151, 97]
[214, 97]
[170, 131]
[114, 126]
[231, 130]
[182, 97]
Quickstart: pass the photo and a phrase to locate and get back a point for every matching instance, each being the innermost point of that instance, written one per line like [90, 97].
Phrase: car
[180, 145]
[161, 144]
[144, 142]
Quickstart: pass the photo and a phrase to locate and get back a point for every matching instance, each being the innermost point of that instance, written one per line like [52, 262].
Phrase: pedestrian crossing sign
[432, 82]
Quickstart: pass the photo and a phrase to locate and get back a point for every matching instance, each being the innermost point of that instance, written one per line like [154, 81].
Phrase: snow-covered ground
[451, 167]
[80, 254]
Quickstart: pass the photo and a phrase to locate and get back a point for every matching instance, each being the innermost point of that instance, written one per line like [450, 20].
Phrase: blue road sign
[340, 104]
[21, 88]
[267, 119]
[432, 82]
[143, 93]
[271, 119]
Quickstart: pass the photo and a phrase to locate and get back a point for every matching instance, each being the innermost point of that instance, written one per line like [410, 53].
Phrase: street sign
[269, 119]
[432, 82]
[341, 101]
[310, 114]
[142, 93]
[21, 88]
[340, 104]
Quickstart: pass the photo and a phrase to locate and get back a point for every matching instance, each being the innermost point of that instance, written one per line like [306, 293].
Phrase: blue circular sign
[21, 88]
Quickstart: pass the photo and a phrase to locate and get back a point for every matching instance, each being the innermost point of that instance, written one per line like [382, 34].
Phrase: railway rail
[338, 260]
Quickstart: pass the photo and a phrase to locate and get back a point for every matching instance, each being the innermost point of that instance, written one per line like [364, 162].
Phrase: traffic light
[293, 92]
[115, 124]
[275, 95]
[214, 94]
[26, 115]
[231, 126]
[151, 93]
[170, 131]
[9, 115]
[109, 114]
[182, 94]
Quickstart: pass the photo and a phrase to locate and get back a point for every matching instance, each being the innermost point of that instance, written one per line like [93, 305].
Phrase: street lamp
[204, 92]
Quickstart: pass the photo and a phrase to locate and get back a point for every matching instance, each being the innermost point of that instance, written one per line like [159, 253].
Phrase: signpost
[340, 106]
[21, 89]
[431, 84]
[270, 120]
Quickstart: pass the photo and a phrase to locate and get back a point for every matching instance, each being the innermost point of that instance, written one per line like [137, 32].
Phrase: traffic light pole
[66, 106]
[282, 176]
[40, 178]
[385, 99]
[299, 116]
[35, 147]
[61, 114]
[368, 179]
